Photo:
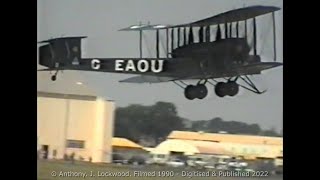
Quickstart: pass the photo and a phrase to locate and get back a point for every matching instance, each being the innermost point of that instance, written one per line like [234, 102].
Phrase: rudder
[60, 52]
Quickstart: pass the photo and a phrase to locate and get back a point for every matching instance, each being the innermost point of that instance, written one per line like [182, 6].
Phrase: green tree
[271, 132]
[217, 124]
[155, 121]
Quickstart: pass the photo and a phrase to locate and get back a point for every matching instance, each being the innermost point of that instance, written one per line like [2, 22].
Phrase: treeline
[154, 123]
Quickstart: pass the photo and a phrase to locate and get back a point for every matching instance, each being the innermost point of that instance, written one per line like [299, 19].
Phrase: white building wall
[90, 121]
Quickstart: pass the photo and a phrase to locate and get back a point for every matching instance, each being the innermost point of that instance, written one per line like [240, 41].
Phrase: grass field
[53, 170]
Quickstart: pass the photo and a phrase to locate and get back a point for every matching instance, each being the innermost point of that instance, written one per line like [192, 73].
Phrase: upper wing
[235, 15]
[63, 39]
[143, 27]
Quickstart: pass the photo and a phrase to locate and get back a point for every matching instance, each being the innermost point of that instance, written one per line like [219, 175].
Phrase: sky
[100, 20]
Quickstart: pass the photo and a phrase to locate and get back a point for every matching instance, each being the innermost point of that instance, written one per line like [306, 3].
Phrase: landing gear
[189, 92]
[54, 76]
[233, 88]
[199, 91]
[202, 91]
[222, 89]
[230, 88]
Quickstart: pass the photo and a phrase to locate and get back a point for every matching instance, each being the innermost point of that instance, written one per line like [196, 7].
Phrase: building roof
[124, 143]
[207, 147]
[175, 145]
[189, 147]
[66, 96]
[231, 138]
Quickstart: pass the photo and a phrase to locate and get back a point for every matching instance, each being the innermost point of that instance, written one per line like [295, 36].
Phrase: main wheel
[220, 89]
[53, 78]
[202, 91]
[189, 92]
[233, 88]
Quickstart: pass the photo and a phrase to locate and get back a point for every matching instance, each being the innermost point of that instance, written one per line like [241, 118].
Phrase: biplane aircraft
[227, 54]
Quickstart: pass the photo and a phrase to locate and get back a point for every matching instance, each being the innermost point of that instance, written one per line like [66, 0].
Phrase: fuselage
[221, 58]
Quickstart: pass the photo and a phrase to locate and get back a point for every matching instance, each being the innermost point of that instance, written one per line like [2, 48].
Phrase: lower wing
[254, 68]
[260, 66]
[147, 79]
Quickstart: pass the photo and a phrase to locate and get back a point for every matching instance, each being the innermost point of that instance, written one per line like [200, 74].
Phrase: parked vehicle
[210, 165]
[278, 162]
[197, 162]
[237, 164]
[160, 159]
[118, 159]
[137, 160]
[220, 166]
[176, 163]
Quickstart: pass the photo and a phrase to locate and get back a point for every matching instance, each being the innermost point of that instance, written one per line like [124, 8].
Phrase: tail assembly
[65, 54]
[60, 52]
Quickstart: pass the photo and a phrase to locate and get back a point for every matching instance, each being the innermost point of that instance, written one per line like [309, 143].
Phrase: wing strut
[230, 30]
[207, 34]
[274, 37]
[201, 34]
[254, 37]
[218, 35]
[245, 29]
[167, 42]
[172, 39]
[237, 28]
[190, 38]
[157, 41]
[184, 36]
[140, 43]
[225, 30]
[178, 37]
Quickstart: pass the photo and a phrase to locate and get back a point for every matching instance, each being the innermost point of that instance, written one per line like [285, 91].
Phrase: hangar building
[73, 120]
[245, 146]
[127, 148]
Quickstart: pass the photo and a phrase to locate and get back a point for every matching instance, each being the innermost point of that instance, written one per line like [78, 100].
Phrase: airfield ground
[46, 168]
